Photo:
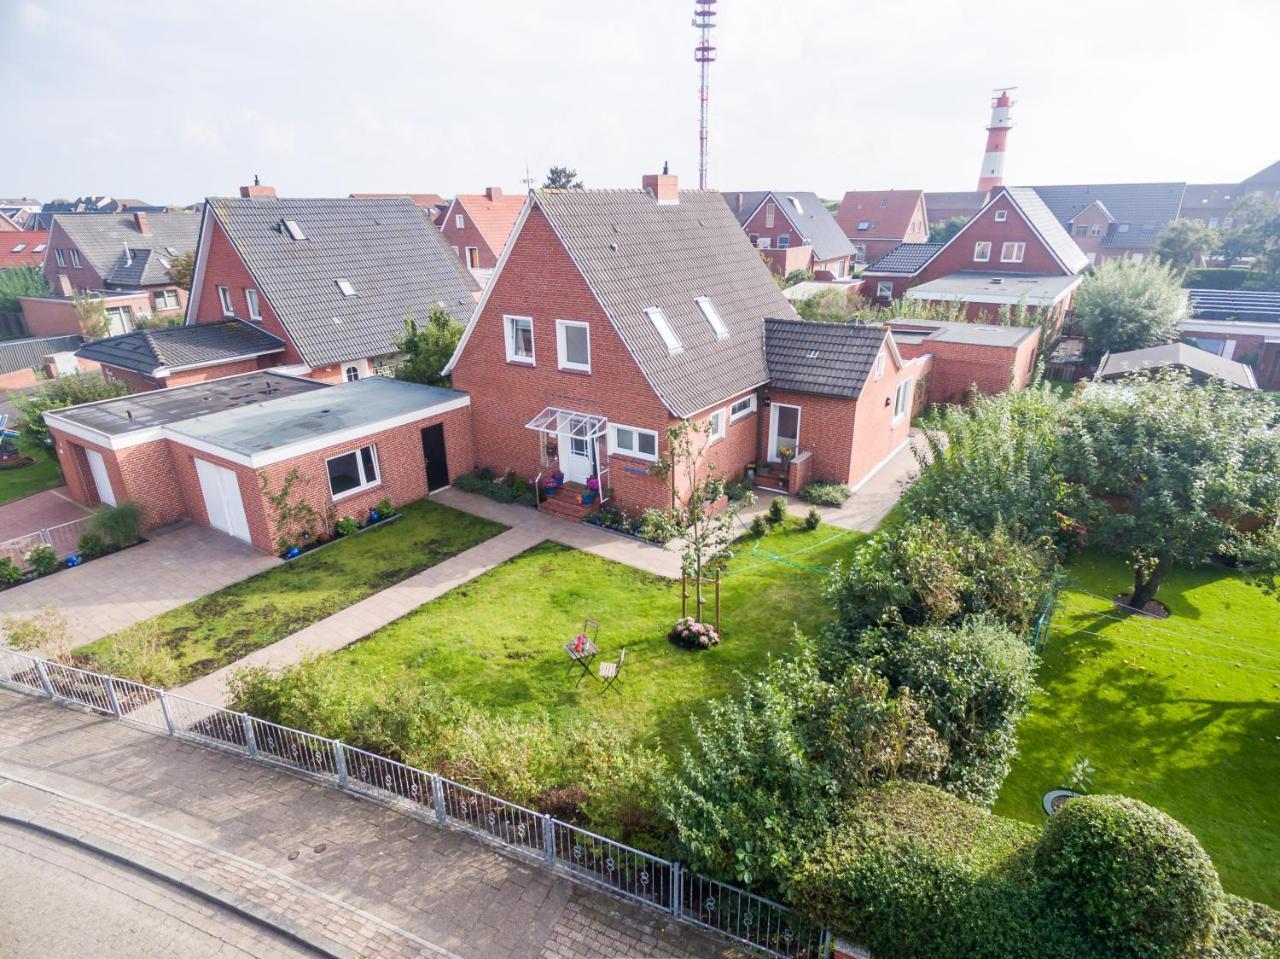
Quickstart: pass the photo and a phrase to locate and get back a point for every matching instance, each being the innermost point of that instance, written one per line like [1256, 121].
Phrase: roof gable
[805, 211]
[1139, 210]
[1267, 175]
[495, 217]
[905, 259]
[886, 213]
[113, 242]
[829, 359]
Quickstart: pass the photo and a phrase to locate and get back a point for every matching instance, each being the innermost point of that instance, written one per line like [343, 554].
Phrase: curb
[145, 864]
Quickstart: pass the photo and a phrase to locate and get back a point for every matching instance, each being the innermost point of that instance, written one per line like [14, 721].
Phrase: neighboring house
[129, 251]
[158, 359]
[215, 452]
[1201, 364]
[1210, 204]
[1241, 325]
[25, 363]
[54, 314]
[1114, 220]
[477, 226]
[333, 279]
[1012, 252]
[23, 248]
[431, 204]
[876, 221]
[968, 356]
[1266, 181]
[942, 207]
[20, 213]
[794, 230]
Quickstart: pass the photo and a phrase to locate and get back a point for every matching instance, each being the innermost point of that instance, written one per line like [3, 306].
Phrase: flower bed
[691, 634]
[651, 526]
[511, 488]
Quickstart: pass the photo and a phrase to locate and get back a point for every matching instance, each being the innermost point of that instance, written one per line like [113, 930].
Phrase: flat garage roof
[944, 331]
[315, 416]
[971, 287]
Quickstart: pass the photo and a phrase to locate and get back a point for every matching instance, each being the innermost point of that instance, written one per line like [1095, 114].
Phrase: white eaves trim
[983, 296]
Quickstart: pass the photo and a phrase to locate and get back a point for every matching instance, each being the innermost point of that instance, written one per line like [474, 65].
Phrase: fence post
[437, 797]
[677, 894]
[44, 679]
[168, 717]
[112, 698]
[250, 742]
[340, 762]
[549, 838]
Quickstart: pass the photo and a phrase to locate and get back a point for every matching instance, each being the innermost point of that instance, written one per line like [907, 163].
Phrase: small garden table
[582, 658]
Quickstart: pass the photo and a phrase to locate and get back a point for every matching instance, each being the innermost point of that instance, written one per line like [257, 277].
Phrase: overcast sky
[173, 100]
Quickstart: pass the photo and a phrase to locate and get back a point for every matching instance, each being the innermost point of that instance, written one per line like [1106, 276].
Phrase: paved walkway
[879, 494]
[336, 867]
[172, 568]
[53, 507]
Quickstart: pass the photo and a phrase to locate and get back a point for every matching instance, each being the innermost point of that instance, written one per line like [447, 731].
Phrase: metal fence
[64, 538]
[586, 856]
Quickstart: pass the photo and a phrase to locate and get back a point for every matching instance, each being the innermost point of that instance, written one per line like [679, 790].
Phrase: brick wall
[141, 383]
[826, 432]
[51, 316]
[959, 366]
[84, 277]
[467, 235]
[143, 474]
[876, 434]
[958, 255]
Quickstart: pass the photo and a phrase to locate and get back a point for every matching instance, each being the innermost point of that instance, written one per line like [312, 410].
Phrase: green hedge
[1221, 279]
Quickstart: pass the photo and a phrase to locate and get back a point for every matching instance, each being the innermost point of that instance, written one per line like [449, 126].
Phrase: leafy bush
[9, 571]
[61, 392]
[777, 509]
[20, 281]
[141, 655]
[43, 559]
[118, 526]
[91, 545]
[691, 634]
[741, 491]
[1227, 279]
[826, 494]
[45, 631]
[1129, 880]
[973, 681]
[1129, 306]
[759, 526]
[511, 488]
[926, 572]
[658, 526]
[384, 507]
[347, 525]
[812, 519]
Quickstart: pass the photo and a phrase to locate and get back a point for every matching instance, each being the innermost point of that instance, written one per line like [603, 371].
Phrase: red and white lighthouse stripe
[992, 174]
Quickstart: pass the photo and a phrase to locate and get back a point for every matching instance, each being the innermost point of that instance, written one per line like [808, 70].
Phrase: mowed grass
[1182, 713]
[43, 474]
[497, 641]
[224, 626]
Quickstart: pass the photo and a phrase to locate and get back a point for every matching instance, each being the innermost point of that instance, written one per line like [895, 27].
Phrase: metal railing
[64, 538]
[583, 855]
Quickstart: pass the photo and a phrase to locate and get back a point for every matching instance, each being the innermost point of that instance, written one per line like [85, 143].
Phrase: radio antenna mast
[704, 54]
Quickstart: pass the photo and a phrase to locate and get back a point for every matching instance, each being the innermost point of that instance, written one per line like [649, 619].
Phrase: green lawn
[224, 626]
[42, 475]
[1183, 713]
[497, 640]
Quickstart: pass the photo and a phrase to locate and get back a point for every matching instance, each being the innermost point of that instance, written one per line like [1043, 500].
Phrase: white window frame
[880, 364]
[562, 346]
[768, 215]
[58, 255]
[295, 232]
[508, 339]
[985, 247]
[19, 248]
[616, 449]
[717, 425]
[224, 298]
[1001, 216]
[366, 483]
[884, 289]
[902, 400]
[255, 309]
[472, 252]
[75, 257]
[1095, 229]
[742, 408]
[1012, 251]
[345, 286]
[712, 316]
[458, 221]
[664, 330]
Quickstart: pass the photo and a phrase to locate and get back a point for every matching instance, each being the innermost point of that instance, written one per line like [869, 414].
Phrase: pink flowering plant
[691, 634]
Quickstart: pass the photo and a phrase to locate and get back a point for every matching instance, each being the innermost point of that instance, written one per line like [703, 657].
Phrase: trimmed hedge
[826, 494]
[1222, 279]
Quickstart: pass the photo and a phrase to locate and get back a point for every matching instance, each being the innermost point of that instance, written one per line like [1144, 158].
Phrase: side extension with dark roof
[207, 350]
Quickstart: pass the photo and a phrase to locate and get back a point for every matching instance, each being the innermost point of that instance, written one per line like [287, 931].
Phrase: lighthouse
[992, 174]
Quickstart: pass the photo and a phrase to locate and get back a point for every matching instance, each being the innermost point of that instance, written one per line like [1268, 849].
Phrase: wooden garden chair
[610, 672]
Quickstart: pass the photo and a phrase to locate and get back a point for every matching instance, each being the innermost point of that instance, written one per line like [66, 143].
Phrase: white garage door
[101, 479]
[222, 499]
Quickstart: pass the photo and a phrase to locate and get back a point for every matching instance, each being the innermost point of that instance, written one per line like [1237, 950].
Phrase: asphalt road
[59, 900]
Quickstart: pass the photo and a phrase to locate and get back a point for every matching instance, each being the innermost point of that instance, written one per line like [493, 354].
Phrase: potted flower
[751, 472]
[558, 477]
[786, 454]
[593, 488]
[549, 486]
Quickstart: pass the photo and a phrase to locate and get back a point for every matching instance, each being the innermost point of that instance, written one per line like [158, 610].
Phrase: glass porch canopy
[582, 426]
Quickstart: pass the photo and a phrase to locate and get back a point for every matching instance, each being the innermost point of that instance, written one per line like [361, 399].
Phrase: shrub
[512, 488]
[43, 559]
[91, 545]
[826, 494]
[118, 526]
[741, 491]
[347, 525]
[657, 526]
[9, 571]
[691, 634]
[1128, 879]
[777, 509]
[384, 508]
[1129, 306]
[64, 391]
[140, 654]
[812, 520]
[759, 526]
[45, 631]
[973, 681]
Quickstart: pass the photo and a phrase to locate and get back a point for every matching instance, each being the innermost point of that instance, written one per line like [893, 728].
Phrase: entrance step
[567, 502]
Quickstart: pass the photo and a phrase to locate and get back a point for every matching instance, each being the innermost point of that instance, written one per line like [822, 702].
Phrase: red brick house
[333, 279]
[433, 205]
[477, 225]
[1013, 251]
[876, 221]
[1111, 221]
[215, 452]
[24, 248]
[54, 314]
[794, 231]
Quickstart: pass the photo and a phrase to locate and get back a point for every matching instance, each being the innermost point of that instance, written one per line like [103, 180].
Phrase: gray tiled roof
[103, 237]
[1267, 175]
[636, 253]
[905, 258]
[1141, 210]
[811, 217]
[27, 354]
[397, 261]
[942, 206]
[1046, 224]
[145, 351]
[831, 359]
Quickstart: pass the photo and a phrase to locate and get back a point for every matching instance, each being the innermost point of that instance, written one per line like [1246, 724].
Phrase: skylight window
[346, 287]
[291, 227]
[39, 248]
[19, 248]
[795, 202]
[863, 224]
[713, 317]
[659, 321]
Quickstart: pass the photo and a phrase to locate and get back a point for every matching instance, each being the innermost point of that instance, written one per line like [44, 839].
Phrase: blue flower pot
[373, 516]
[291, 552]
[73, 561]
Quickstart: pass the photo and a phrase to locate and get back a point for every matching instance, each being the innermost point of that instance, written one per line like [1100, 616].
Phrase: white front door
[101, 479]
[575, 458]
[784, 430]
[222, 500]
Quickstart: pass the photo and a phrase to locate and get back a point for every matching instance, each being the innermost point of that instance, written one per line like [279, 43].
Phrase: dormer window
[712, 316]
[295, 232]
[669, 338]
[345, 287]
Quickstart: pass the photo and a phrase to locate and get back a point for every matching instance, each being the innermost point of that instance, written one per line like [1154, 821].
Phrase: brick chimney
[140, 221]
[493, 193]
[664, 186]
[64, 286]
[257, 190]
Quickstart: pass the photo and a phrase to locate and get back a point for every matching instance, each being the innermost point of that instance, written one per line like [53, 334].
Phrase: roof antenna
[666, 170]
[256, 181]
[528, 178]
